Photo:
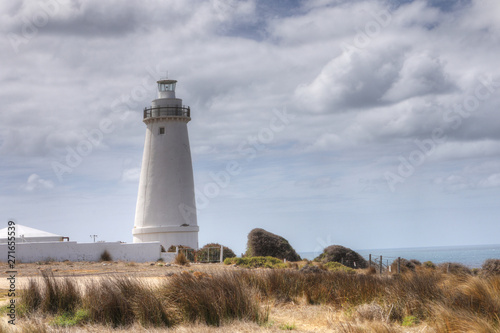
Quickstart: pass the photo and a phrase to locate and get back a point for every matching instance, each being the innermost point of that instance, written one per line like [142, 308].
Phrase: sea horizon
[472, 256]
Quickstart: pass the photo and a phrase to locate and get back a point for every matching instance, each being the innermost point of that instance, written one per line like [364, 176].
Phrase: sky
[369, 124]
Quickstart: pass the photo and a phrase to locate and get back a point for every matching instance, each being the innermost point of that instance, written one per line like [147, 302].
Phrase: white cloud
[355, 113]
[492, 181]
[420, 75]
[35, 183]
[131, 175]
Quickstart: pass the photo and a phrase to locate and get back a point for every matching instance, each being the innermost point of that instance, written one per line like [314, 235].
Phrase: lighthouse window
[161, 130]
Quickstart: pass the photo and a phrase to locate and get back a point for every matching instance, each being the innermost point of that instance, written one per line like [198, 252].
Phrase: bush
[429, 264]
[255, 262]
[491, 267]
[105, 256]
[173, 248]
[180, 259]
[370, 312]
[341, 254]
[406, 265]
[454, 268]
[311, 269]
[209, 253]
[338, 267]
[415, 262]
[262, 243]
[189, 253]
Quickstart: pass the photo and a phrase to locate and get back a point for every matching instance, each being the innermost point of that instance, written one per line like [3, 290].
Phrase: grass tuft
[106, 256]
[214, 300]
[80, 317]
[180, 259]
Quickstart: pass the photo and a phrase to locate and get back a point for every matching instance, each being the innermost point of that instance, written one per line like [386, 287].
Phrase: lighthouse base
[168, 236]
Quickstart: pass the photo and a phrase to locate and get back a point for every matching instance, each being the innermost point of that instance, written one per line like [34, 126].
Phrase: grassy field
[227, 298]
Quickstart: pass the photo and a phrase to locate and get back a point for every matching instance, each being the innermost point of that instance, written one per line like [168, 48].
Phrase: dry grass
[213, 300]
[180, 259]
[426, 300]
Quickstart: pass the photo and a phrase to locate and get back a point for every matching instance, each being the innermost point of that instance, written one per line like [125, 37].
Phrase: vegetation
[445, 302]
[337, 267]
[209, 253]
[406, 265]
[429, 264]
[68, 319]
[491, 267]
[454, 268]
[180, 259]
[105, 256]
[262, 243]
[255, 262]
[343, 255]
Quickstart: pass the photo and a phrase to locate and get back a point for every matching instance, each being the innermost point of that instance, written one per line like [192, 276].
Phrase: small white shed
[26, 234]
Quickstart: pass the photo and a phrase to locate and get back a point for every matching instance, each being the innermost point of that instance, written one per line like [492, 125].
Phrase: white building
[26, 234]
[32, 245]
[166, 210]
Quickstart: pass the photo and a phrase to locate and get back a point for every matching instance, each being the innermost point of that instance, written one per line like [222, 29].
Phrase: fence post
[399, 265]
[370, 261]
[176, 250]
[381, 264]
[342, 260]
[221, 254]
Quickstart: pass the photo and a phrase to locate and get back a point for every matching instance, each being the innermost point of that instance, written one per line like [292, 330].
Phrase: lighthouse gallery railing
[167, 111]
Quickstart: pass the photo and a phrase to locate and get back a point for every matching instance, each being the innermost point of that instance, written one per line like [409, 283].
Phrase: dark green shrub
[429, 264]
[262, 243]
[338, 267]
[343, 255]
[255, 262]
[211, 253]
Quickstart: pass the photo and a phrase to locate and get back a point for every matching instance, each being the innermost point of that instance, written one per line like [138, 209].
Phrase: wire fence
[203, 255]
[384, 264]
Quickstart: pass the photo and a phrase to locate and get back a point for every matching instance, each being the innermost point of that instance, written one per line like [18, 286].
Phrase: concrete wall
[73, 251]
[168, 256]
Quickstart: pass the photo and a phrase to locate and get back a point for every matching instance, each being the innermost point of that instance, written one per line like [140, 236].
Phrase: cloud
[492, 181]
[420, 75]
[321, 182]
[131, 175]
[357, 107]
[36, 183]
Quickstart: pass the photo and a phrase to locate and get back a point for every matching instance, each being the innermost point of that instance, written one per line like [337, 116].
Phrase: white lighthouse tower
[166, 210]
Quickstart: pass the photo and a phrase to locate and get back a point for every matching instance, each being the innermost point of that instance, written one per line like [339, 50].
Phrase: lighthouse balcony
[167, 111]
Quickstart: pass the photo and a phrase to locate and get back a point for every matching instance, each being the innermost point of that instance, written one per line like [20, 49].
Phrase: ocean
[472, 256]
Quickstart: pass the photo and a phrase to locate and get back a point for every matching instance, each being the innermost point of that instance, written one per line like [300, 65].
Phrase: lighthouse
[166, 210]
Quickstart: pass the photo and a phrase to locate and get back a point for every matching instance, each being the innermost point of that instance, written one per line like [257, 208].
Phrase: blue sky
[370, 124]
